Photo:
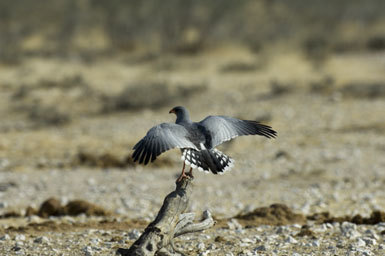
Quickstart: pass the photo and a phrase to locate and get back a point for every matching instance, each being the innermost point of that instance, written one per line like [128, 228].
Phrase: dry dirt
[67, 128]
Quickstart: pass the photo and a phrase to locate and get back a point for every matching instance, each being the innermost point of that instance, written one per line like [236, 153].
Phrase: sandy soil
[68, 126]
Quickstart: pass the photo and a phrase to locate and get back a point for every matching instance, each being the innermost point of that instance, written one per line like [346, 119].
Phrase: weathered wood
[169, 223]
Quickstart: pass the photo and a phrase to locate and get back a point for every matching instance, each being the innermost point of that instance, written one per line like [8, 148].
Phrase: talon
[181, 177]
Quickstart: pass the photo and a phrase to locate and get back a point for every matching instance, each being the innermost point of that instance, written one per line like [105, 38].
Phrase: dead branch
[157, 238]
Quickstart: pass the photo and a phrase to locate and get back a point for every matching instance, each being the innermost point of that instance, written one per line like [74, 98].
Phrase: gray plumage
[197, 140]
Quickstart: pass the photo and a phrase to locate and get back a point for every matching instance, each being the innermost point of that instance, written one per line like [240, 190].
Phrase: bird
[197, 140]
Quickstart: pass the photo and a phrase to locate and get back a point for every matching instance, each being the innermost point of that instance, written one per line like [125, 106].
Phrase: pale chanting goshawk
[197, 140]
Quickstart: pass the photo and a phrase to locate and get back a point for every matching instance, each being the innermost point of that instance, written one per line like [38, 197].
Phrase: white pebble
[87, 251]
[315, 243]
[133, 234]
[258, 239]
[360, 243]
[247, 240]
[20, 237]
[369, 241]
[211, 247]
[33, 218]
[282, 229]
[348, 226]
[372, 234]
[108, 244]
[349, 230]
[364, 252]
[91, 181]
[19, 244]
[233, 224]
[95, 240]
[4, 237]
[291, 240]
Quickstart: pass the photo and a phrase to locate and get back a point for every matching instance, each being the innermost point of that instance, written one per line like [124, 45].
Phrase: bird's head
[176, 110]
[181, 113]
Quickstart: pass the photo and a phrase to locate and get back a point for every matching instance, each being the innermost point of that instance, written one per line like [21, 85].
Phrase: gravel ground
[328, 157]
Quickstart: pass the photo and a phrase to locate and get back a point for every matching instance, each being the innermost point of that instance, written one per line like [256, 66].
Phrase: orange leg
[182, 175]
[190, 173]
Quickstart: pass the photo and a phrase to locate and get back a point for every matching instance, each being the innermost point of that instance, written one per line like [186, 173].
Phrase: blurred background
[81, 81]
[92, 28]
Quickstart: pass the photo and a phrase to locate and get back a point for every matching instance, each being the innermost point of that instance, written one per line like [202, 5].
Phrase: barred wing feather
[224, 128]
[159, 139]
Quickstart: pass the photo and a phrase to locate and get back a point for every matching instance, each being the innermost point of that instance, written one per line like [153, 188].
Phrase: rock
[360, 243]
[211, 247]
[41, 239]
[349, 230]
[33, 219]
[4, 162]
[296, 226]
[369, 241]
[315, 243]
[257, 239]
[233, 224]
[95, 241]
[364, 252]
[120, 211]
[201, 246]
[87, 251]
[5, 237]
[19, 244]
[291, 240]
[247, 240]
[16, 248]
[91, 181]
[261, 248]
[282, 229]
[108, 244]
[340, 244]
[205, 236]
[372, 234]
[346, 226]
[246, 252]
[133, 234]
[20, 237]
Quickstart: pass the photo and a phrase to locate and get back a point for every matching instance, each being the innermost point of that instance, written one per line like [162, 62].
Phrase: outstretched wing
[224, 128]
[159, 139]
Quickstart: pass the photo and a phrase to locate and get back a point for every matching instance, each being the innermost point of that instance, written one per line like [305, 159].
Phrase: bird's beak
[172, 111]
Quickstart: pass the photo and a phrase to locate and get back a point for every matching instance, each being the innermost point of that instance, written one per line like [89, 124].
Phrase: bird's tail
[208, 160]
